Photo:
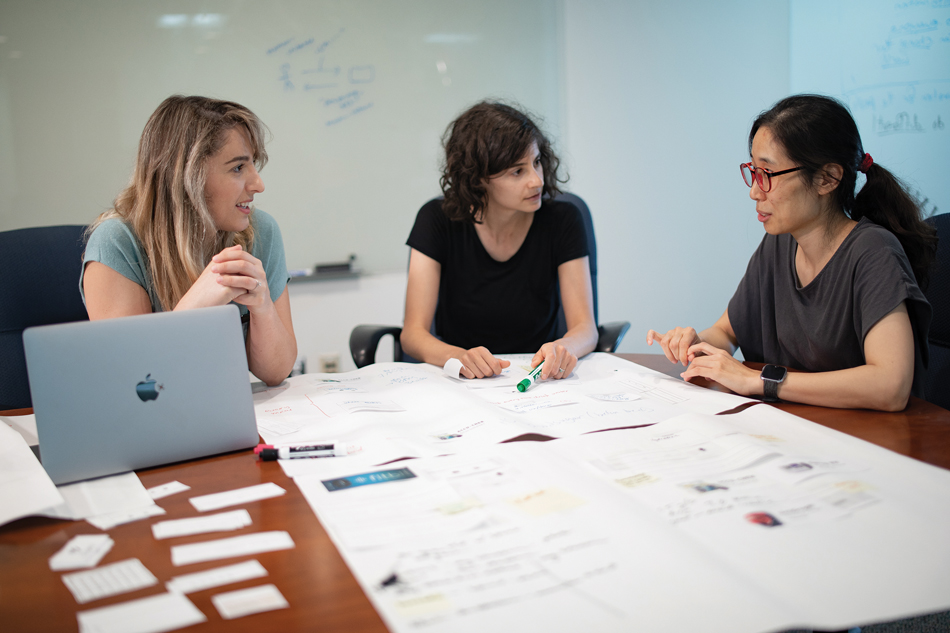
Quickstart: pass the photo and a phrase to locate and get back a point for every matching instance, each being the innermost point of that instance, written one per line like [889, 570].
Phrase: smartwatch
[772, 376]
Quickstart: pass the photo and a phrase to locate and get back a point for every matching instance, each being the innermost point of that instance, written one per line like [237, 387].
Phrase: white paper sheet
[167, 490]
[220, 500]
[25, 488]
[109, 580]
[105, 495]
[81, 552]
[109, 521]
[230, 547]
[237, 604]
[201, 525]
[154, 614]
[25, 425]
[202, 580]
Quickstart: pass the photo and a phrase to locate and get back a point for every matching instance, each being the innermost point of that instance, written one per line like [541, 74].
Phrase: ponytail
[885, 201]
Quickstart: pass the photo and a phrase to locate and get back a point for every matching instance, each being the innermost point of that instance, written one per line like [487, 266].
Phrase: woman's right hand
[478, 362]
[207, 291]
[675, 343]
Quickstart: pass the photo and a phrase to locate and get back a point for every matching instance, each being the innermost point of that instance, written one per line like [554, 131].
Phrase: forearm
[864, 387]
[718, 337]
[271, 347]
[580, 340]
[421, 345]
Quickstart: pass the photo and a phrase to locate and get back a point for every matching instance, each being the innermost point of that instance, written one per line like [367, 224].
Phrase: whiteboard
[889, 60]
[356, 94]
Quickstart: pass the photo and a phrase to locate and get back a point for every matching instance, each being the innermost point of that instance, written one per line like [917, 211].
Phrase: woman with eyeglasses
[834, 288]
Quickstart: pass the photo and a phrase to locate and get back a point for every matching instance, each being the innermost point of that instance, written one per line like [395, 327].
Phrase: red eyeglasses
[764, 177]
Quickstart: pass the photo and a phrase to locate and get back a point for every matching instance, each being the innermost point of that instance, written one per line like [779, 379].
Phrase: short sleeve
[570, 234]
[429, 234]
[747, 308]
[269, 248]
[113, 244]
[883, 279]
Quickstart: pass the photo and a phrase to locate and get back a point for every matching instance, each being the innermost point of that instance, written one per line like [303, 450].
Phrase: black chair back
[39, 285]
[592, 258]
[937, 381]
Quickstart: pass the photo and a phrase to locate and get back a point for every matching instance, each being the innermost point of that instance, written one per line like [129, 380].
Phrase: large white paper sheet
[25, 488]
[416, 411]
[515, 534]
[760, 520]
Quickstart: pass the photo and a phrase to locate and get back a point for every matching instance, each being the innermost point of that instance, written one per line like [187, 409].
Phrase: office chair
[39, 285]
[937, 381]
[364, 339]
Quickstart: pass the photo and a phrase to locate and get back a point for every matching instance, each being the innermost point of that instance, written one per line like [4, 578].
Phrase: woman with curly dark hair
[488, 259]
[835, 286]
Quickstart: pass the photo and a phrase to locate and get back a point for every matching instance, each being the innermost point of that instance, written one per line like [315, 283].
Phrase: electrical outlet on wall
[329, 363]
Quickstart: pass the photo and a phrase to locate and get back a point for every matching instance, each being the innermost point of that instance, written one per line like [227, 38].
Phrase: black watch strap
[770, 387]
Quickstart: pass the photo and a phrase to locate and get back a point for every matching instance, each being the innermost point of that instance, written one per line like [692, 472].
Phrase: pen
[533, 375]
[328, 449]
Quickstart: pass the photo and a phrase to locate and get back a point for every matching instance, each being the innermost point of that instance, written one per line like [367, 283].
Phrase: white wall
[657, 100]
[325, 312]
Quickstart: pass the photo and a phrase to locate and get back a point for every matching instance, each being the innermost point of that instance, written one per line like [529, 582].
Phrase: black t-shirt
[508, 307]
[822, 326]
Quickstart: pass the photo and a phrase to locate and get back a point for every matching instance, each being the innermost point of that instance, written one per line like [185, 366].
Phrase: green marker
[532, 377]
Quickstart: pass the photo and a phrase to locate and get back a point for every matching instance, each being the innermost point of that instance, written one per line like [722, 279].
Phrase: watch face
[774, 373]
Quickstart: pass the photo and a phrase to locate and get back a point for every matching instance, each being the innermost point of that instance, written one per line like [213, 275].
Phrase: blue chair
[364, 339]
[937, 381]
[39, 285]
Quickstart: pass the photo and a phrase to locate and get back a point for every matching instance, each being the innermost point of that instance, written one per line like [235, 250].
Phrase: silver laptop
[122, 394]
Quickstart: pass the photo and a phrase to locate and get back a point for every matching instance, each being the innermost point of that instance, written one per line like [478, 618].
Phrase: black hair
[485, 140]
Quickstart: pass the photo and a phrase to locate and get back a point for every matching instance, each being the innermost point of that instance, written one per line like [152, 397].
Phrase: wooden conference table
[323, 594]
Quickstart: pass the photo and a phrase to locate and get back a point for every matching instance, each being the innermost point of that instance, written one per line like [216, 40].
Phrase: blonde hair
[165, 203]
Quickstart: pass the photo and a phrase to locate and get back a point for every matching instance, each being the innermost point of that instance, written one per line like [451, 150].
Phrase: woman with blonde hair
[184, 234]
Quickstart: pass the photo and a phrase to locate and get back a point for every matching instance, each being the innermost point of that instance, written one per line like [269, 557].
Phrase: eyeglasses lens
[747, 175]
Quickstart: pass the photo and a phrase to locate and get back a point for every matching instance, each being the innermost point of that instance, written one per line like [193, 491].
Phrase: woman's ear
[828, 178]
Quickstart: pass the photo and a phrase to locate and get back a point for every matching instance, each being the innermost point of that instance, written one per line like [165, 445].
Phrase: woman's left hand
[240, 270]
[559, 361]
[718, 365]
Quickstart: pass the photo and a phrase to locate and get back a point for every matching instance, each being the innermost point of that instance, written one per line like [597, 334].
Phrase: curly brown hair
[485, 140]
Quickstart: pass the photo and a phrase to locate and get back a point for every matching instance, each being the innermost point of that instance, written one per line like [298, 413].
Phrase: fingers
[480, 363]
[559, 362]
[675, 343]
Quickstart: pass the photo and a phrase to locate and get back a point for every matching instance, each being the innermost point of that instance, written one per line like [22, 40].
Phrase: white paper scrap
[109, 521]
[237, 604]
[109, 580]
[167, 490]
[201, 580]
[154, 614]
[230, 547]
[452, 368]
[220, 500]
[106, 495]
[224, 521]
[81, 552]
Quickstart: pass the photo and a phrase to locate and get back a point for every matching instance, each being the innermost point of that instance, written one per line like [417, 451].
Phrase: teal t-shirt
[114, 244]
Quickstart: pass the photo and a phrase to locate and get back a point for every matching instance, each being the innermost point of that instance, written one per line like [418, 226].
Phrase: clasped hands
[232, 275]
[704, 360]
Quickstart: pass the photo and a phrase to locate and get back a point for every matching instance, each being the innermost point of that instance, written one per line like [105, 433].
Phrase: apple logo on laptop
[146, 389]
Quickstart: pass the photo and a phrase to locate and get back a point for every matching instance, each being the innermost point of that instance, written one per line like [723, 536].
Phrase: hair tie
[866, 163]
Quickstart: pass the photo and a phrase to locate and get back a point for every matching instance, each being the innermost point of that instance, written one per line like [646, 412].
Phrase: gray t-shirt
[822, 326]
[114, 244]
